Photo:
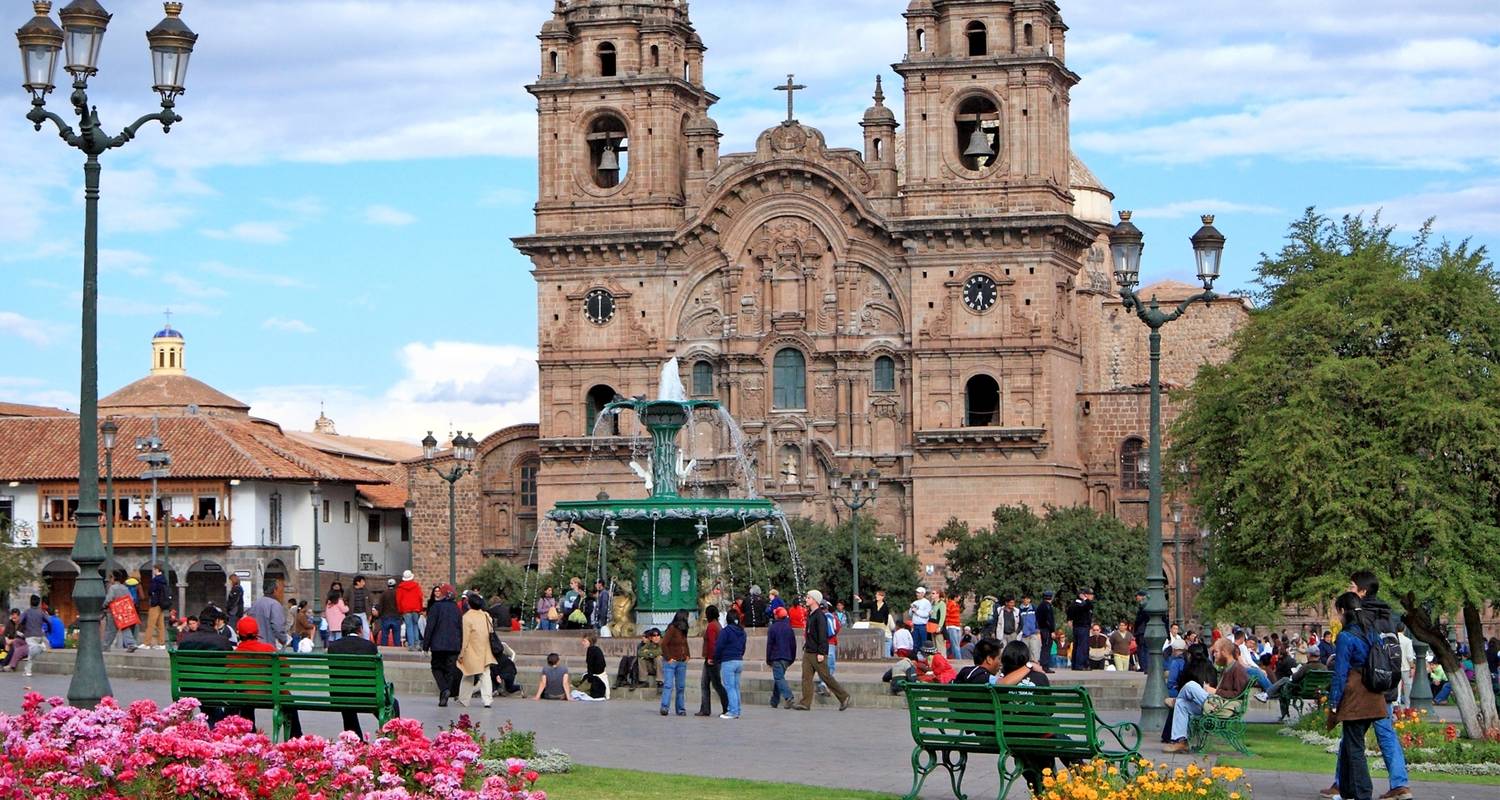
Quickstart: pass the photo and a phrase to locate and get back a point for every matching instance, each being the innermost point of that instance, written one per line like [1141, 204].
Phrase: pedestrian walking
[443, 639]
[674, 650]
[389, 616]
[781, 651]
[159, 601]
[815, 655]
[475, 655]
[116, 591]
[1352, 704]
[33, 627]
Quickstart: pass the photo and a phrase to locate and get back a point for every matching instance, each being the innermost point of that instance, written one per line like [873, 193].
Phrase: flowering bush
[113, 753]
[495, 754]
[1099, 780]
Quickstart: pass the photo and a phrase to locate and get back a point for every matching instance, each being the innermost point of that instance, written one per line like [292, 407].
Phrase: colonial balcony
[137, 533]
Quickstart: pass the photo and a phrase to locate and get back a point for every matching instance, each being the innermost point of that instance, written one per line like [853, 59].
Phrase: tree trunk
[1424, 628]
[1489, 717]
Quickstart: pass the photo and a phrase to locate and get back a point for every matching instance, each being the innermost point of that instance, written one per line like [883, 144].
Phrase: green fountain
[666, 528]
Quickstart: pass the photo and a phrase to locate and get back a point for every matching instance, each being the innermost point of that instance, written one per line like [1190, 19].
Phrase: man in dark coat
[443, 639]
[234, 602]
[352, 644]
[206, 638]
[1081, 617]
[1046, 623]
[1139, 629]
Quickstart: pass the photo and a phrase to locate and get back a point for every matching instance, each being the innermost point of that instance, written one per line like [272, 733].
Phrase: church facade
[936, 304]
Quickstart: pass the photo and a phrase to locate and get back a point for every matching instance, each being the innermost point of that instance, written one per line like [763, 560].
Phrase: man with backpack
[815, 655]
[1383, 667]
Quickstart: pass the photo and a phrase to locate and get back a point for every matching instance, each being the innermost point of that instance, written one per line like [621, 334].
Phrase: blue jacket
[781, 643]
[1174, 671]
[1350, 652]
[160, 597]
[57, 635]
[1028, 621]
[730, 646]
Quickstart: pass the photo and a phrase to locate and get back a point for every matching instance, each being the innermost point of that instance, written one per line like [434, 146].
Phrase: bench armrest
[1122, 731]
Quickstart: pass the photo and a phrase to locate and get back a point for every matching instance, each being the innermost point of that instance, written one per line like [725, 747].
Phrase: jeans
[1353, 769]
[955, 638]
[889, 653]
[1190, 700]
[780, 689]
[729, 675]
[1441, 695]
[674, 679]
[711, 681]
[390, 626]
[1390, 751]
[918, 636]
[413, 636]
[545, 624]
[1259, 676]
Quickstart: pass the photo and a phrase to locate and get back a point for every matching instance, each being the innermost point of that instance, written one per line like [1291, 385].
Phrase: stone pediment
[793, 140]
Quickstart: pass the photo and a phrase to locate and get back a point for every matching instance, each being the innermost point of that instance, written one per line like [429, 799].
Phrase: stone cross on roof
[791, 90]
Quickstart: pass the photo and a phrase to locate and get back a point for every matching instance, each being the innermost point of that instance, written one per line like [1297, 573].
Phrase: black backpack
[1382, 671]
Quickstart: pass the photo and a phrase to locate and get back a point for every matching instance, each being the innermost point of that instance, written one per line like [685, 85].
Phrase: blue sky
[331, 221]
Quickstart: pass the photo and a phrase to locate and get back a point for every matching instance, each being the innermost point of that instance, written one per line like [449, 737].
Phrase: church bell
[609, 161]
[979, 145]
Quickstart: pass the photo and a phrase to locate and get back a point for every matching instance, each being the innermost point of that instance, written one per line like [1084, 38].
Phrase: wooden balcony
[203, 533]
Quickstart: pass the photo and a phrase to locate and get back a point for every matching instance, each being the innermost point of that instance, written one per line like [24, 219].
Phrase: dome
[919, 5]
[554, 25]
[878, 114]
[167, 333]
[1091, 201]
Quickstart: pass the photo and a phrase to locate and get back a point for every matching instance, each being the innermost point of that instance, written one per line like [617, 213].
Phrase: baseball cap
[390, 582]
[1048, 595]
[247, 627]
[446, 590]
[921, 590]
[781, 612]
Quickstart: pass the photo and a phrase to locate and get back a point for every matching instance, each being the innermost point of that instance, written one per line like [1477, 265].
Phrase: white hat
[816, 596]
[406, 576]
[1178, 643]
[921, 590]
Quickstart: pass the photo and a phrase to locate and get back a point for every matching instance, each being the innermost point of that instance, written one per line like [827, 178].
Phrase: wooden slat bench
[1022, 724]
[307, 682]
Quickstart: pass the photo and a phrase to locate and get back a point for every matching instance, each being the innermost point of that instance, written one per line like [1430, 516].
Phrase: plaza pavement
[857, 749]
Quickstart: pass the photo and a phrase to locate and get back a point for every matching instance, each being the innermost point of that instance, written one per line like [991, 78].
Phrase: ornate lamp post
[1125, 244]
[82, 33]
[855, 493]
[109, 431]
[316, 493]
[463, 454]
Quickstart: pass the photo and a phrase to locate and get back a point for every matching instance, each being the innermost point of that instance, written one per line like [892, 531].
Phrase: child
[554, 683]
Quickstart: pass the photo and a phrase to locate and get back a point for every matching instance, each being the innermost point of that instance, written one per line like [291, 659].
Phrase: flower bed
[53, 751]
[1429, 746]
[496, 754]
[1099, 780]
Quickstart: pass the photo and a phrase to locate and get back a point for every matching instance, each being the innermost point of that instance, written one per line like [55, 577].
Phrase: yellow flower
[1234, 796]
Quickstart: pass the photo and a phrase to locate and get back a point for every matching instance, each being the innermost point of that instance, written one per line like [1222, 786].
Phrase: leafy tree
[827, 557]
[581, 560]
[1357, 426]
[496, 576]
[17, 564]
[1065, 550]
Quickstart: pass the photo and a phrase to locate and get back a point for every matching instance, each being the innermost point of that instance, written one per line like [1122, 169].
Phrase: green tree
[1357, 426]
[827, 562]
[18, 564]
[496, 576]
[581, 560]
[1064, 550]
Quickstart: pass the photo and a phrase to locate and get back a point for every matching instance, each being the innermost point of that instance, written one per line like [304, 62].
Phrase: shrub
[1099, 779]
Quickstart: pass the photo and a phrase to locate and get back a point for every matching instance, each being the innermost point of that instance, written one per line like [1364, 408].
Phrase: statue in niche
[789, 471]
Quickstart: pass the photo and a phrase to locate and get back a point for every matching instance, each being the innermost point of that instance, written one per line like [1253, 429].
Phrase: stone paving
[858, 748]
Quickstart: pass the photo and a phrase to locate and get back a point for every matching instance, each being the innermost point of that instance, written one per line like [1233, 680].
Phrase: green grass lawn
[596, 783]
[1285, 754]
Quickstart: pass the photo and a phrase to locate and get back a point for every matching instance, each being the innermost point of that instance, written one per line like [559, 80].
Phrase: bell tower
[986, 107]
[620, 89]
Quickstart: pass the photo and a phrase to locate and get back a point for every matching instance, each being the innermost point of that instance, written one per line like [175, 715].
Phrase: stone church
[936, 304]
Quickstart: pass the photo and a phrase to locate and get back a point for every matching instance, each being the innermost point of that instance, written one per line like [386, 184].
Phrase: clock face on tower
[980, 293]
[599, 306]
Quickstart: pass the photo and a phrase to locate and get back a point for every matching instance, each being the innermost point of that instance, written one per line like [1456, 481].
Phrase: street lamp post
[316, 493]
[82, 33]
[1177, 559]
[1125, 244]
[463, 453]
[109, 431]
[861, 492]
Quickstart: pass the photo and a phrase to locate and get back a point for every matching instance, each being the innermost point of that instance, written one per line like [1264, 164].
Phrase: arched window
[609, 151]
[790, 379]
[172, 358]
[687, 71]
[978, 39]
[599, 397]
[655, 56]
[978, 127]
[1026, 34]
[607, 60]
[885, 374]
[700, 159]
[1134, 466]
[877, 149]
[703, 378]
[921, 41]
[552, 62]
[981, 402]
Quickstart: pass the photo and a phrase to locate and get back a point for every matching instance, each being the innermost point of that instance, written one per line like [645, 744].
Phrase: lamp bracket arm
[166, 116]
[1205, 296]
[38, 115]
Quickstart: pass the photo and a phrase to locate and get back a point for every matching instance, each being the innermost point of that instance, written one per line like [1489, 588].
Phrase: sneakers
[1262, 697]
[1175, 747]
[846, 702]
[1402, 793]
[664, 712]
[1331, 793]
[727, 715]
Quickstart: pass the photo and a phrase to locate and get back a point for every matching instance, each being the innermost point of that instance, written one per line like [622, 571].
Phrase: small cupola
[166, 352]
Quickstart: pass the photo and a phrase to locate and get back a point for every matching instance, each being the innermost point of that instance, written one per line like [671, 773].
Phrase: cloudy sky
[331, 221]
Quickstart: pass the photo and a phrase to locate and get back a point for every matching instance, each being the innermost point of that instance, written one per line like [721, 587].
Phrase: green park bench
[1227, 722]
[1310, 691]
[951, 721]
[307, 682]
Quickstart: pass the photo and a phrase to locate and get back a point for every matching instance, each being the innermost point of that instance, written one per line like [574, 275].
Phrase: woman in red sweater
[710, 667]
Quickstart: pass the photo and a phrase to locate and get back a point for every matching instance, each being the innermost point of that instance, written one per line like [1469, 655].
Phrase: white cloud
[1191, 208]
[35, 331]
[386, 215]
[306, 207]
[253, 276]
[471, 386]
[145, 200]
[252, 232]
[114, 305]
[287, 325]
[1460, 209]
[190, 287]
[126, 262]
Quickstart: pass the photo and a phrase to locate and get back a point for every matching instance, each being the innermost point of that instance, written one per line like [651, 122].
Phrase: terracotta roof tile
[170, 391]
[389, 495]
[46, 448]
[23, 410]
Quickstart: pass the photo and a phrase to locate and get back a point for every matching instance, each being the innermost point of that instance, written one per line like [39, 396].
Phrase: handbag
[577, 617]
[552, 615]
[932, 627]
[497, 648]
[122, 610]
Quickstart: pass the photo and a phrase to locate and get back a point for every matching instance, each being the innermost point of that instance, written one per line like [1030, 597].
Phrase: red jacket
[710, 639]
[408, 597]
[798, 617]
